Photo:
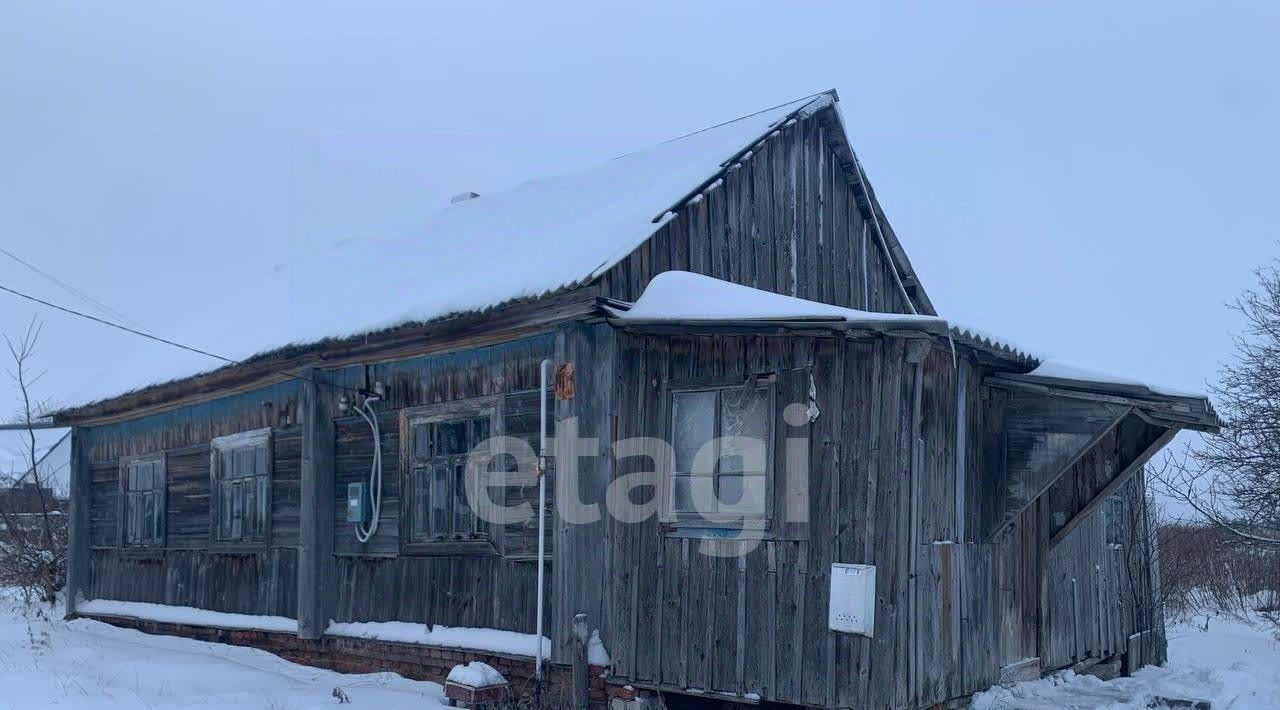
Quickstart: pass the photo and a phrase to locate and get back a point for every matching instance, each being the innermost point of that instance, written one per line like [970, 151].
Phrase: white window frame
[737, 520]
[257, 438]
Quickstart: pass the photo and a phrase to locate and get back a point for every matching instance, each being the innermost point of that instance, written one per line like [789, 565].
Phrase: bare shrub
[33, 522]
[1209, 569]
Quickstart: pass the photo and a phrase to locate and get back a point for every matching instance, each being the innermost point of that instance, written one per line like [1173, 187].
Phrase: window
[722, 439]
[144, 501]
[241, 487]
[437, 476]
[1113, 518]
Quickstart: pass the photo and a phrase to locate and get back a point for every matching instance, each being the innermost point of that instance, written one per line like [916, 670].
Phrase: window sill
[142, 552]
[713, 530]
[473, 547]
[238, 548]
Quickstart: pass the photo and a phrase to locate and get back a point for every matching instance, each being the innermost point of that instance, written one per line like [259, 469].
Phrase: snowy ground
[1234, 665]
[49, 663]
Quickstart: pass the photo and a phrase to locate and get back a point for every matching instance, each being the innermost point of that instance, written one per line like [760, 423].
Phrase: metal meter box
[852, 609]
[359, 507]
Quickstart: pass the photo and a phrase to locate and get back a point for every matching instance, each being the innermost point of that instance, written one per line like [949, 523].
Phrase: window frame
[481, 540]
[245, 439]
[735, 521]
[1115, 511]
[123, 506]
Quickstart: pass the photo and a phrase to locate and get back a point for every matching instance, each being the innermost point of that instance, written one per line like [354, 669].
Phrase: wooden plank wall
[187, 571]
[784, 219]
[248, 583]
[752, 617]
[375, 581]
[1099, 595]
[578, 586]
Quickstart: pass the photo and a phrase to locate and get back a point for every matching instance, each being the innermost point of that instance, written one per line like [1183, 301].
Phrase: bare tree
[33, 541]
[1233, 479]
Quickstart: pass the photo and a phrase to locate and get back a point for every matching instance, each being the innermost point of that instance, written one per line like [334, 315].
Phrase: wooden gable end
[790, 215]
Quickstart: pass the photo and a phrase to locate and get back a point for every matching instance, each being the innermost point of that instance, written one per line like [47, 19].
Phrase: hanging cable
[149, 336]
[365, 410]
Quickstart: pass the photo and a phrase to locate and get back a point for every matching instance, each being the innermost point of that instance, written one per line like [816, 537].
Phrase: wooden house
[743, 278]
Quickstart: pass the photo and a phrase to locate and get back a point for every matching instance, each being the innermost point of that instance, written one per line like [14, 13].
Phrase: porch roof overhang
[1181, 410]
[1042, 426]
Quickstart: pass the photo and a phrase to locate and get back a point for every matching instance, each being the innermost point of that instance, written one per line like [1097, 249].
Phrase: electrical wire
[71, 289]
[166, 341]
[365, 410]
[125, 328]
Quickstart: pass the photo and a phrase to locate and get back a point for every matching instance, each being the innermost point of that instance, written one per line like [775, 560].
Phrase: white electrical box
[852, 609]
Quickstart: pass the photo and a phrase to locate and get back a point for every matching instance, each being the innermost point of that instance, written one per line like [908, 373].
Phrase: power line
[71, 289]
[166, 341]
[125, 328]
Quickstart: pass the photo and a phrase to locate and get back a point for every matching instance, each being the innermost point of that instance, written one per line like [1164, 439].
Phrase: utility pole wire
[117, 326]
[108, 310]
[166, 341]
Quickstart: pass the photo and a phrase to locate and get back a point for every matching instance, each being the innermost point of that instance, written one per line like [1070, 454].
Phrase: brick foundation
[356, 655]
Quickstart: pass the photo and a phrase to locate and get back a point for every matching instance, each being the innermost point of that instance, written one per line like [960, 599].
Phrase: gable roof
[544, 236]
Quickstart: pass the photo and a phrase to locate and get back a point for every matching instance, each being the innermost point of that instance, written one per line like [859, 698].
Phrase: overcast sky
[1092, 181]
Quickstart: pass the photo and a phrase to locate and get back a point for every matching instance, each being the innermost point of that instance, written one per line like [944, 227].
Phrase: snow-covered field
[1234, 665]
[48, 663]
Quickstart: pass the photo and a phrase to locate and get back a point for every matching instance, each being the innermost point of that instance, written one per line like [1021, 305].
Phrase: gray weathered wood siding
[188, 570]
[785, 219]
[239, 583]
[371, 582]
[1098, 595]
[375, 581]
[756, 622]
[952, 607]
[579, 581]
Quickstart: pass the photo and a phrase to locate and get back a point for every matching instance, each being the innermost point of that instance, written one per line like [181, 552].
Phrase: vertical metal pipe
[542, 506]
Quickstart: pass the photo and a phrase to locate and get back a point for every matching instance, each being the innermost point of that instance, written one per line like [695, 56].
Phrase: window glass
[744, 428]
[143, 519]
[739, 421]
[439, 500]
[451, 438]
[1113, 518]
[243, 491]
[422, 441]
[695, 422]
[461, 510]
[441, 449]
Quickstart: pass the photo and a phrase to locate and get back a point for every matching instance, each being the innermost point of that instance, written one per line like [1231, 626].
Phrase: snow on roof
[539, 237]
[1051, 370]
[681, 296]
[684, 297]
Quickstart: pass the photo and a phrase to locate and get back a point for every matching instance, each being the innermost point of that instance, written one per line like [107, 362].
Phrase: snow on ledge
[1056, 370]
[597, 654]
[476, 674]
[491, 640]
[187, 615]
[688, 297]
